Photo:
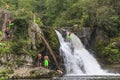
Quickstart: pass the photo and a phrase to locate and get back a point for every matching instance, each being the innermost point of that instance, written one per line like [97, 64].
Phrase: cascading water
[78, 61]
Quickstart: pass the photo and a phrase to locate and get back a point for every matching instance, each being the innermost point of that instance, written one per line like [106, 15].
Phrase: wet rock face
[83, 33]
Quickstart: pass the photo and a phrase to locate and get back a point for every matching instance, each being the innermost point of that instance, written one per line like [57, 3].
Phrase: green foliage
[21, 30]
[20, 47]
[100, 14]
[5, 48]
[51, 38]
[6, 71]
[4, 74]
[0, 33]
[103, 14]
[109, 51]
[112, 51]
[22, 14]
[113, 55]
[33, 54]
[39, 22]
[21, 40]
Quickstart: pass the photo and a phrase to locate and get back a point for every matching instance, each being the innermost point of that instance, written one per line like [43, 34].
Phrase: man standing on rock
[39, 60]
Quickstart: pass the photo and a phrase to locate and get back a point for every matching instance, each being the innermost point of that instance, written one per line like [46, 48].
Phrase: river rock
[34, 73]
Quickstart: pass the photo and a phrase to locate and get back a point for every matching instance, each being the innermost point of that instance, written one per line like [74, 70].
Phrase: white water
[78, 61]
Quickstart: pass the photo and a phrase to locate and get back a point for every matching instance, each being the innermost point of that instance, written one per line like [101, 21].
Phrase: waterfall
[77, 59]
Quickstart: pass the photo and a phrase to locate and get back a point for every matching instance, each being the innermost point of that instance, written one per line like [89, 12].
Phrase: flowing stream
[77, 59]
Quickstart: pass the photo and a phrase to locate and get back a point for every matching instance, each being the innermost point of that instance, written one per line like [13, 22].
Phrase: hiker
[69, 36]
[7, 6]
[7, 32]
[46, 62]
[9, 23]
[39, 59]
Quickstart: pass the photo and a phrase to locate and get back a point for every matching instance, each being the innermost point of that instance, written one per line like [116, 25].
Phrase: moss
[21, 30]
[99, 46]
[51, 37]
[4, 74]
[8, 64]
[19, 62]
[112, 51]
[6, 47]
[20, 47]
[20, 38]
[4, 71]
[33, 54]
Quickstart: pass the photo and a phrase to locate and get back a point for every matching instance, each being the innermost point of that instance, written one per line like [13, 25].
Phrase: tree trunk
[49, 48]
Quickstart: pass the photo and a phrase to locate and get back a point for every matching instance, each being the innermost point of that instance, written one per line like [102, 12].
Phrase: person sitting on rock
[39, 59]
[46, 62]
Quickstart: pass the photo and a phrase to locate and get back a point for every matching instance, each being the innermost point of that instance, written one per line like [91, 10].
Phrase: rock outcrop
[34, 73]
[32, 31]
[83, 33]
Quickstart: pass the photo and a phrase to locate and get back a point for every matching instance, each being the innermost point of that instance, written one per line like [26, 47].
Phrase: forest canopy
[104, 14]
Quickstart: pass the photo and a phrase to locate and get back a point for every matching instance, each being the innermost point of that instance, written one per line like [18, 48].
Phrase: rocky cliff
[20, 51]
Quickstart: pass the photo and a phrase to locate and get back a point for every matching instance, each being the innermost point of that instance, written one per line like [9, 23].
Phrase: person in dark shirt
[7, 32]
[39, 60]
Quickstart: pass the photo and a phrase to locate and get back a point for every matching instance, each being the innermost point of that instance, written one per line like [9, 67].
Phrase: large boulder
[34, 73]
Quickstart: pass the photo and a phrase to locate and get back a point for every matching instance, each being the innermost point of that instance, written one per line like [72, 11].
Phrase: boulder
[34, 73]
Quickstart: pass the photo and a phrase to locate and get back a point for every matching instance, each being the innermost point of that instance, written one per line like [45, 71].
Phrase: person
[7, 32]
[7, 6]
[9, 23]
[39, 60]
[69, 36]
[46, 62]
